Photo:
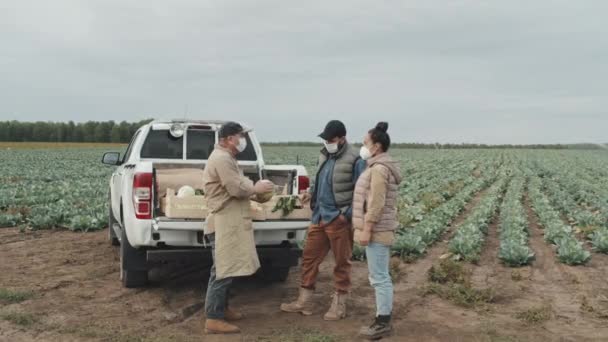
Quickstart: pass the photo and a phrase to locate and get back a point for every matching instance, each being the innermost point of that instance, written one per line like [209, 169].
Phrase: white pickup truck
[147, 238]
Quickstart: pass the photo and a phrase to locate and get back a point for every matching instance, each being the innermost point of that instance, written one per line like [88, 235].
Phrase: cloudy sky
[446, 71]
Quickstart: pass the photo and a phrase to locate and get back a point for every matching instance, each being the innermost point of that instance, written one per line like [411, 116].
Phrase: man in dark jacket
[331, 228]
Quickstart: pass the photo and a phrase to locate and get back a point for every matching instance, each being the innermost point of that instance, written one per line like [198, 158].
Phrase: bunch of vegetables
[286, 204]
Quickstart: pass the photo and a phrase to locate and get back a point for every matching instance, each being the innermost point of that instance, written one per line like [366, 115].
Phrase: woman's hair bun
[382, 126]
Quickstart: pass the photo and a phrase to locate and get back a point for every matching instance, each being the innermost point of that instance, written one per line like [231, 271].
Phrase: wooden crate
[192, 207]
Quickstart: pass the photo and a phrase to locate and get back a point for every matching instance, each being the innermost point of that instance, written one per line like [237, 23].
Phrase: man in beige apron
[229, 227]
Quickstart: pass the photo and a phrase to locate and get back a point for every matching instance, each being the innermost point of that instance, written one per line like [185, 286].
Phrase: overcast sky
[446, 71]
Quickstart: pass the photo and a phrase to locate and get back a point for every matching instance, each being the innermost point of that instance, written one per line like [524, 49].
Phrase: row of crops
[514, 231]
[470, 236]
[568, 191]
[570, 207]
[557, 232]
[413, 241]
[43, 189]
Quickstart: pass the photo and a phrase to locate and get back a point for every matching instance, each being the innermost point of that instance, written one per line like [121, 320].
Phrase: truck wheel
[111, 222]
[275, 274]
[133, 264]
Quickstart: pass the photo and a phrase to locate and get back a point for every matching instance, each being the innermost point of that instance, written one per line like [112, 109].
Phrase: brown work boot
[303, 305]
[231, 314]
[337, 311]
[217, 326]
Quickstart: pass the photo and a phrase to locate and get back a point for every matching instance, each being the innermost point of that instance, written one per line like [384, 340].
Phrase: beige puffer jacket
[376, 195]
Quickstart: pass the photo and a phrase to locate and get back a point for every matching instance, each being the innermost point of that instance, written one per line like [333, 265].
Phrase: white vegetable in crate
[186, 191]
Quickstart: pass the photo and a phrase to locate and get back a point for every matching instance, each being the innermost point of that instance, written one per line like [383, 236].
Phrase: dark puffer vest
[343, 186]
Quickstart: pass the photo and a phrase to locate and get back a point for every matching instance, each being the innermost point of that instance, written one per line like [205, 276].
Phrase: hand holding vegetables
[306, 197]
[263, 186]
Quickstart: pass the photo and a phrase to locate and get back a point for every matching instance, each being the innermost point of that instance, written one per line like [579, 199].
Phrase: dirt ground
[75, 295]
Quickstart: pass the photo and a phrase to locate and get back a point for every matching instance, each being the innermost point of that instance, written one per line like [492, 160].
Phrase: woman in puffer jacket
[375, 222]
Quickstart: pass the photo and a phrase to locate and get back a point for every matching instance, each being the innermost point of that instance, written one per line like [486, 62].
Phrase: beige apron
[235, 252]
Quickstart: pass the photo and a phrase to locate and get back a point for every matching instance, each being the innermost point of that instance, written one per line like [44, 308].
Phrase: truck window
[162, 145]
[200, 143]
[127, 154]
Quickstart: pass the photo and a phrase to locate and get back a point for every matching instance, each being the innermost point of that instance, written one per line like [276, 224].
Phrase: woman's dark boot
[381, 327]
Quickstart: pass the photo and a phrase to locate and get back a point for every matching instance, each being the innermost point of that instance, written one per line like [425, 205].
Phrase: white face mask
[331, 148]
[365, 153]
[242, 144]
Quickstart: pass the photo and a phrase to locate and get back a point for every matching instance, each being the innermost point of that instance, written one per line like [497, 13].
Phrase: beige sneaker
[302, 305]
[216, 326]
[337, 311]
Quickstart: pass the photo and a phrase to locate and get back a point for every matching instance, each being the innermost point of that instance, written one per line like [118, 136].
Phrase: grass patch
[408, 259]
[493, 335]
[109, 333]
[535, 316]
[297, 335]
[89, 331]
[450, 280]
[462, 294]
[516, 276]
[19, 318]
[448, 271]
[587, 230]
[12, 296]
[588, 308]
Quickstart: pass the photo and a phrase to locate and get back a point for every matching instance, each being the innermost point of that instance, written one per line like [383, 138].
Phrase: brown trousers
[337, 236]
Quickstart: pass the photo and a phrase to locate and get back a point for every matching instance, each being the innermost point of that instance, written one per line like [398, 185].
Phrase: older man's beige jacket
[223, 181]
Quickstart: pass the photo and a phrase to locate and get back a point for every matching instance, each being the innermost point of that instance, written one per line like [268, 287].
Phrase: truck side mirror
[111, 158]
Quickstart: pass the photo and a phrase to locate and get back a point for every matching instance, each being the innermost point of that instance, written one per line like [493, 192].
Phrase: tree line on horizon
[90, 131]
[121, 132]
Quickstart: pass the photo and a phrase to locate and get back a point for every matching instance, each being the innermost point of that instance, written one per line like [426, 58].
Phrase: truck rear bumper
[279, 256]
[187, 233]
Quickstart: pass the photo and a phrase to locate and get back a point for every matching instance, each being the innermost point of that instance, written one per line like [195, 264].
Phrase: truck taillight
[142, 195]
[303, 183]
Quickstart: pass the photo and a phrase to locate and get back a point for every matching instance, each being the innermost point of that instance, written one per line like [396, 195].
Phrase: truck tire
[114, 241]
[133, 264]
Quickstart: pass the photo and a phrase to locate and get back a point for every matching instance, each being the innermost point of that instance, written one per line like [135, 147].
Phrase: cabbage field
[566, 189]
